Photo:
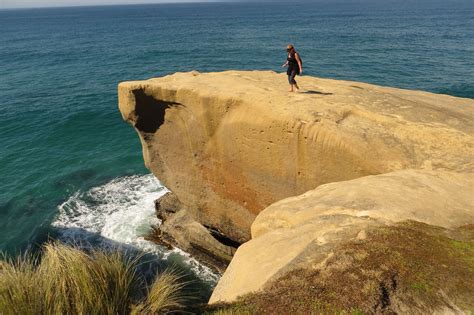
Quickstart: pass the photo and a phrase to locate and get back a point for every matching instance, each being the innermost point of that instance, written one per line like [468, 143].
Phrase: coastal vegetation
[67, 280]
[407, 266]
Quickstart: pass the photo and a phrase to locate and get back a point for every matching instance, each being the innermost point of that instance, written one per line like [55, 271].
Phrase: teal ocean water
[71, 168]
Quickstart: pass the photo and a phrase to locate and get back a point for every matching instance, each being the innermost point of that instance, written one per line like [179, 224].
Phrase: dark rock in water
[179, 229]
[167, 206]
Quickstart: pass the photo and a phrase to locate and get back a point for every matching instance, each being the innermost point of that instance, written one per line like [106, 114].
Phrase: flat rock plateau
[303, 187]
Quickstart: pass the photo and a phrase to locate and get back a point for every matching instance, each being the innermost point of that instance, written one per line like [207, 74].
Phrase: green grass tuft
[67, 280]
[165, 295]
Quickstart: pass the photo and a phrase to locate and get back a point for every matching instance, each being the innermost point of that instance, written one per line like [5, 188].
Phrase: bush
[67, 280]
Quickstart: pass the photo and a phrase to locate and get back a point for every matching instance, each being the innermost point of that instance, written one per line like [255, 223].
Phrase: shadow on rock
[316, 92]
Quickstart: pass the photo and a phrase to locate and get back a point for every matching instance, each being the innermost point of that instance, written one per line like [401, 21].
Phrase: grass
[258, 304]
[421, 267]
[164, 295]
[66, 280]
[412, 264]
[421, 286]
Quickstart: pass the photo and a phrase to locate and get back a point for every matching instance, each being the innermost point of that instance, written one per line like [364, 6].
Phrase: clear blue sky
[6, 4]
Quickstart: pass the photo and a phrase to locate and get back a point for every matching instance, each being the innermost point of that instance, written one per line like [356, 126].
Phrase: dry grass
[19, 287]
[76, 282]
[69, 281]
[408, 266]
[165, 295]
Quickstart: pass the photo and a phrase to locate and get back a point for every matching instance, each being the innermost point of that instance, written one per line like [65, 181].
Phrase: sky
[8, 4]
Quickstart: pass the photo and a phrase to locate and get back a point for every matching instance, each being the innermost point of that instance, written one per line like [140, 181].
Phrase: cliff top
[333, 99]
[420, 126]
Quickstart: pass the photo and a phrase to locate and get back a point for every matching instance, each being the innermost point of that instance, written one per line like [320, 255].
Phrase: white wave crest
[121, 212]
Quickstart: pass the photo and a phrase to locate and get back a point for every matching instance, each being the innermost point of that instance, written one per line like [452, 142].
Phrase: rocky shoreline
[208, 245]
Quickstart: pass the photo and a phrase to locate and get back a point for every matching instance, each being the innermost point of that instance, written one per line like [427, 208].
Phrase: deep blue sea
[71, 168]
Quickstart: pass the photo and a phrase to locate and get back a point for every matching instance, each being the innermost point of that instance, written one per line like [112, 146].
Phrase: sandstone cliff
[230, 144]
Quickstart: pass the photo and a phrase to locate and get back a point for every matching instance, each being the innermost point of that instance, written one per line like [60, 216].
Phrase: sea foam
[120, 213]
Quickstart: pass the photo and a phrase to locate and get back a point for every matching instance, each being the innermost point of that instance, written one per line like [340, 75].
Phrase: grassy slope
[407, 267]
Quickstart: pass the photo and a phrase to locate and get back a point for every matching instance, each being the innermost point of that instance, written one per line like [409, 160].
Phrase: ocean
[70, 168]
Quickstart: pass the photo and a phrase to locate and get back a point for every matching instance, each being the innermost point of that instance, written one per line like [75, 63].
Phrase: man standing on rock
[295, 66]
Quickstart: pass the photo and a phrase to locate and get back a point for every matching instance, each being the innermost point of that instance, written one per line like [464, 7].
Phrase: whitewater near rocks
[119, 215]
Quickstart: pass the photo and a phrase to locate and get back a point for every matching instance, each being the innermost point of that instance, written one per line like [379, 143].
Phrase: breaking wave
[121, 212]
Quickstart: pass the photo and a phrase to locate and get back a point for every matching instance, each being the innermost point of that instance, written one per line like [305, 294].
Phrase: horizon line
[3, 8]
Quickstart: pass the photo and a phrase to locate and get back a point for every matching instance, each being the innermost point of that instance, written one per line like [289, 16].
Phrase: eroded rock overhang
[230, 144]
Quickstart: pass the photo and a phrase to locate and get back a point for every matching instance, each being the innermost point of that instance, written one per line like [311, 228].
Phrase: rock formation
[357, 156]
[304, 231]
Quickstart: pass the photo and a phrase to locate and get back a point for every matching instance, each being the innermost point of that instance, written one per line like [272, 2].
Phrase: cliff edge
[358, 156]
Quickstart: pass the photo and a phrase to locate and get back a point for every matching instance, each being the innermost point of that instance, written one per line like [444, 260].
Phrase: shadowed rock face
[150, 112]
[230, 144]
